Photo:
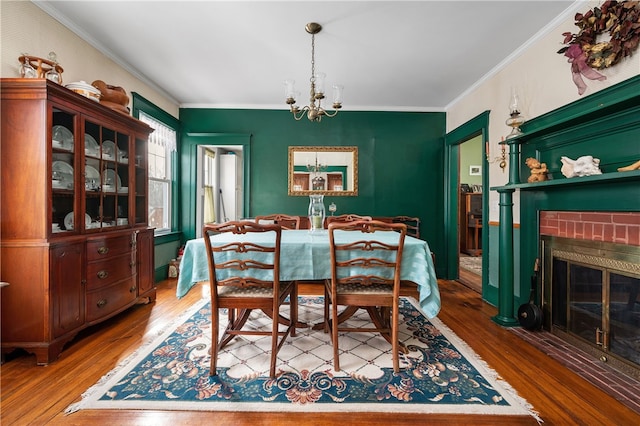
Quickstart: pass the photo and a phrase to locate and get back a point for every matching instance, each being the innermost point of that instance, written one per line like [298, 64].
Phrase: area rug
[471, 264]
[439, 374]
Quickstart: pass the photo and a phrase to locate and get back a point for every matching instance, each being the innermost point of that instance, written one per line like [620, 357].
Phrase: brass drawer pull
[103, 250]
[103, 274]
[132, 289]
[101, 303]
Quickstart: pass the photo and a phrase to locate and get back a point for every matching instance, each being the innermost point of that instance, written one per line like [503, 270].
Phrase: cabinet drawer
[108, 300]
[107, 272]
[101, 248]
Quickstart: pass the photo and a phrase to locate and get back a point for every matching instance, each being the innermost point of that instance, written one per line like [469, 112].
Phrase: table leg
[380, 316]
[284, 320]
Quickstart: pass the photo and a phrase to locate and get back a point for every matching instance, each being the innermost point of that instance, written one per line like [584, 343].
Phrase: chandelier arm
[301, 111]
[327, 114]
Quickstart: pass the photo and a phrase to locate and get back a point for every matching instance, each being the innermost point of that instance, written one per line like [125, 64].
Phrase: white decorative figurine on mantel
[583, 166]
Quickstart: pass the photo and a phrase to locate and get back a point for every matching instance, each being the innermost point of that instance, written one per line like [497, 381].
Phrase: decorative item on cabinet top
[114, 97]
[85, 89]
[34, 67]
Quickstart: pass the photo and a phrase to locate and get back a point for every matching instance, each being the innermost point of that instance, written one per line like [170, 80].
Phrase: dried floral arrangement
[620, 21]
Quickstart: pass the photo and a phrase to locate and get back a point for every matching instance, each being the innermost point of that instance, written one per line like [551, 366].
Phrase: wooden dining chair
[285, 221]
[365, 273]
[344, 218]
[413, 228]
[413, 224]
[243, 276]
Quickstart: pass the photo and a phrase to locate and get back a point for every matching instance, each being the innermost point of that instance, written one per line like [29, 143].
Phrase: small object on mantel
[114, 97]
[583, 166]
[630, 167]
[538, 170]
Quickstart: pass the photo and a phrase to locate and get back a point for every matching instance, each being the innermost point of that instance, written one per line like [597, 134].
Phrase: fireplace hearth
[590, 297]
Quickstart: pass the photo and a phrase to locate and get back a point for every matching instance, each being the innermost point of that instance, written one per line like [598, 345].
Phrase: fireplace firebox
[590, 297]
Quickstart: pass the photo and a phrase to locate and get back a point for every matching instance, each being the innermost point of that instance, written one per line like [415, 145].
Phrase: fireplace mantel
[605, 125]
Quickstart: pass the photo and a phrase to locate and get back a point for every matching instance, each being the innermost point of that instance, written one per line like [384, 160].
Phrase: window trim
[142, 104]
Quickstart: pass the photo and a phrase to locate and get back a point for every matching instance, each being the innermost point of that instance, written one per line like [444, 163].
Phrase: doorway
[220, 186]
[467, 245]
[470, 217]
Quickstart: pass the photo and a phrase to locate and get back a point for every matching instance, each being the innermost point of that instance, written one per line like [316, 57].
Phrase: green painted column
[505, 239]
[505, 250]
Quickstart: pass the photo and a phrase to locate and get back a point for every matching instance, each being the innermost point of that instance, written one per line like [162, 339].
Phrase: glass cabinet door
[106, 177]
[140, 169]
[63, 173]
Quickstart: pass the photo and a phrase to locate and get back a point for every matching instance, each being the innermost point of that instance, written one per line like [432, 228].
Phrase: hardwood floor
[32, 395]
[471, 280]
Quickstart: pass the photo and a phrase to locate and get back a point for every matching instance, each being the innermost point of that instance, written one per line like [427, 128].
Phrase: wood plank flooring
[32, 395]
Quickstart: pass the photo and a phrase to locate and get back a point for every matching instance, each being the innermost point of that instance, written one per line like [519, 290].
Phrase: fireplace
[591, 287]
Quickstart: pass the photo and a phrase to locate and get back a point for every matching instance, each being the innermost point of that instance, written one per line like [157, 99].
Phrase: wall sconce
[502, 159]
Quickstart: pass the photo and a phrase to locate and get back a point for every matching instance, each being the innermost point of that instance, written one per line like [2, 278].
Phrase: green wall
[471, 153]
[400, 160]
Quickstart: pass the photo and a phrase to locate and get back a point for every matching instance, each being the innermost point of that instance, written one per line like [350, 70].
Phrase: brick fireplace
[613, 227]
[591, 283]
[594, 220]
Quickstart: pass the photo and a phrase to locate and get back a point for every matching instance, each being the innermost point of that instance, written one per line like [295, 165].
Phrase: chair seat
[234, 291]
[362, 289]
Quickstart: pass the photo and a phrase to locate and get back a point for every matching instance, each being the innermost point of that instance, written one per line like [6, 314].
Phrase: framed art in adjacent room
[475, 171]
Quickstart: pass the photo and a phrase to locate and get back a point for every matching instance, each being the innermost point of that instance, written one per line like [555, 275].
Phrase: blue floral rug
[440, 373]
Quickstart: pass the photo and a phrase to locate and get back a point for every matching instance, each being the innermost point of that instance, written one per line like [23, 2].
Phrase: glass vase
[316, 212]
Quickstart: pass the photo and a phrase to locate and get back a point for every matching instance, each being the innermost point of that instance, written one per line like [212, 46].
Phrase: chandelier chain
[313, 57]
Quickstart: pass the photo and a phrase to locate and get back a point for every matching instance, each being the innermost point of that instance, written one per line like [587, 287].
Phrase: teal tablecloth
[305, 256]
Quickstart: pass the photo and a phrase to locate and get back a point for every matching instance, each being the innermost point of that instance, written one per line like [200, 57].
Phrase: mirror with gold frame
[327, 170]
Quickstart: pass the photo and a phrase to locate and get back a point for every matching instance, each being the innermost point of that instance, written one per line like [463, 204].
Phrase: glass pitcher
[316, 212]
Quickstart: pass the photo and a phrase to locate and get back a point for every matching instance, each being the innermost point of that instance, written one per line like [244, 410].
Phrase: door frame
[478, 125]
[192, 142]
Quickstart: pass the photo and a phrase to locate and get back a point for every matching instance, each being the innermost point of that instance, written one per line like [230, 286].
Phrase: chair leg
[327, 321]
[293, 307]
[274, 342]
[213, 371]
[334, 335]
[394, 336]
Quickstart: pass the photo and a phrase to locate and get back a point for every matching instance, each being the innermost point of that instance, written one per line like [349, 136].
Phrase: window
[161, 161]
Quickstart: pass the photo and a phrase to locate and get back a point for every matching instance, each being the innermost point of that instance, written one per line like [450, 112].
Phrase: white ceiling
[389, 55]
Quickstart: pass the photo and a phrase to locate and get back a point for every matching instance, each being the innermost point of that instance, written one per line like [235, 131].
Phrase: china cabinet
[75, 243]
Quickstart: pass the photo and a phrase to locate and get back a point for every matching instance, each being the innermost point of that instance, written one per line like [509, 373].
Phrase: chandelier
[314, 110]
[317, 182]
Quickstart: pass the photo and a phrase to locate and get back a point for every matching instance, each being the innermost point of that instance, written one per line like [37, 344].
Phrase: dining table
[304, 256]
